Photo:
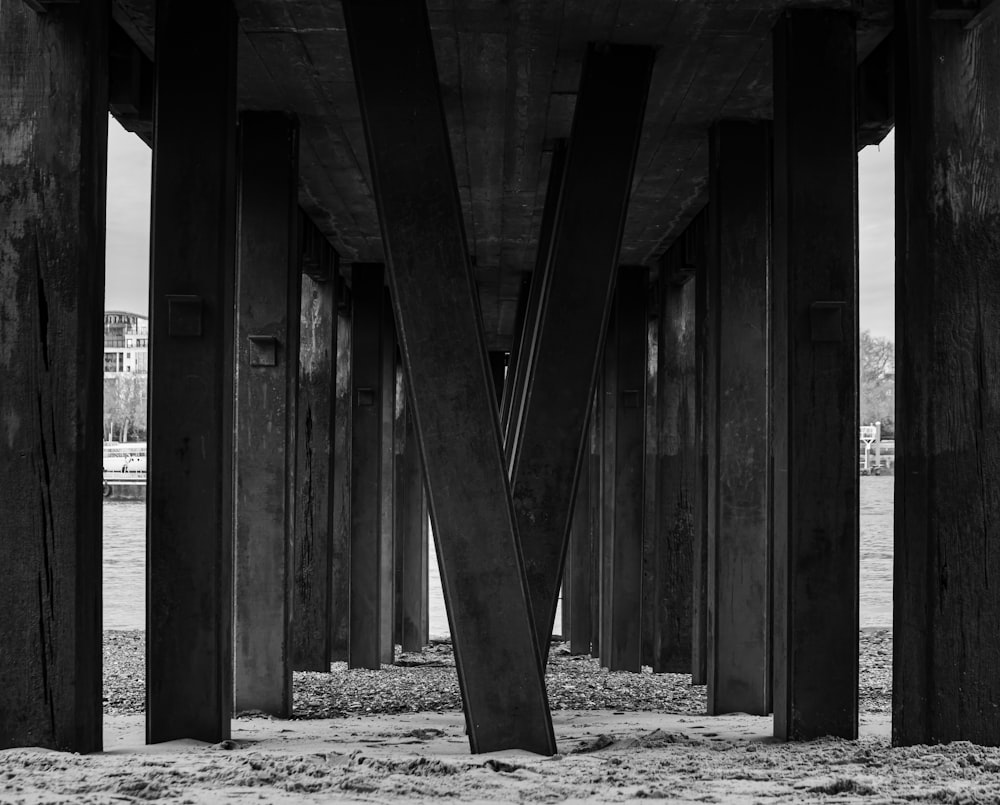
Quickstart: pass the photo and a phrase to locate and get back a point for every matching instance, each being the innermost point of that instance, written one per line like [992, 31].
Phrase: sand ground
[604, 757]
[641, 737]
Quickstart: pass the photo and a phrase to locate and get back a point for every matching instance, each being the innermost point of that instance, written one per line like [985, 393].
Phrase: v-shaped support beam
[444, 356]
[548, 440]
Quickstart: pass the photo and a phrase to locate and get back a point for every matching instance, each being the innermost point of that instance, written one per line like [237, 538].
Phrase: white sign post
[869, 434]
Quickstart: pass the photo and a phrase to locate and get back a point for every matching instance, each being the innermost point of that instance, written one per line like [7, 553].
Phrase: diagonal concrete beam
[444, 356]
[547, 446]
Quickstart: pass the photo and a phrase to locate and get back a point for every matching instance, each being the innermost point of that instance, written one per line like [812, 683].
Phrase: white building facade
[126, 343]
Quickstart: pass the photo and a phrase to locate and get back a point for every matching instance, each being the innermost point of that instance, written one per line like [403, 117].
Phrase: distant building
[126, 343]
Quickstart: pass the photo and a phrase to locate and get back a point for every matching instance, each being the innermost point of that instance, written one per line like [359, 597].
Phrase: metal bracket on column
[263, 350]
[826, 321]
[184, 316]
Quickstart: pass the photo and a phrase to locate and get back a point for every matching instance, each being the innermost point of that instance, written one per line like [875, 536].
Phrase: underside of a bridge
[576, 279]
[509, 75]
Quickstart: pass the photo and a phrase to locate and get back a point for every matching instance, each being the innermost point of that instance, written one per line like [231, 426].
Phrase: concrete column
[815, 377]
[676, 467]
[704, 525]
[340, 547]
[596, 513]
[443, 349]
[650, 525]
[398, 482]
[189, 637]
[412, 533]
[946, 613]
[578, 594]
[311, 605]
[625, 593]
[739, 568]
[607, 408]
[386, 485]
[566, 587]
[268, 289]
[53, 138]
[367, 433]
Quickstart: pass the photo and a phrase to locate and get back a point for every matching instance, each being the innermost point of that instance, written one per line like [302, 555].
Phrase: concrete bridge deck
[510, 72]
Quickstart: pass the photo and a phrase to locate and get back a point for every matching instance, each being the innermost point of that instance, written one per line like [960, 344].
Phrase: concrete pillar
[190, 487]
[268, 289]
[443, 348]
[398, 482]
[412, 533]
[607, 408]
[586, 238]
[578, 593]
[53, 138]
[946, 613]
[704, 525]
[739, 568]
[596, 512]
[650, 525]
[311, 604]
[386, 485]
[566, 588]
[367, 434]
[676, 467]
[340, 546]
[624, 651]
[815, 376]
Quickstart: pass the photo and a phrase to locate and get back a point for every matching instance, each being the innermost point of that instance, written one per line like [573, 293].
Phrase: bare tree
[878, 381]
[124, 405]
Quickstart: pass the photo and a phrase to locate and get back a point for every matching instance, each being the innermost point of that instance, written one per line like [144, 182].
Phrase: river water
[125, 562]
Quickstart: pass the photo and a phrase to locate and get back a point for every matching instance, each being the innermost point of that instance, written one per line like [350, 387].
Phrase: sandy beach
[398, 736]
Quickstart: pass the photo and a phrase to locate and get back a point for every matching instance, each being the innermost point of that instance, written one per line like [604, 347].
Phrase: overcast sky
[129, 171]
[129, 174]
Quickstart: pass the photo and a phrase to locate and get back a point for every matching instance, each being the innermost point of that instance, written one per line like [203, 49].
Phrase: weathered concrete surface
[444, 352]
[739, 560]
[367, 436]
[53, 162]
[547, 445]
[314, 446]
[815, 377]
[268, 296]
[624, 637]
[340, 549]
[676, 470]
[190, 489]
[946, 613]
[412, 530]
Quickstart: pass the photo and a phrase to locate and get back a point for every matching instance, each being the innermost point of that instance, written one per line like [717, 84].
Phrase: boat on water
[124, 470]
